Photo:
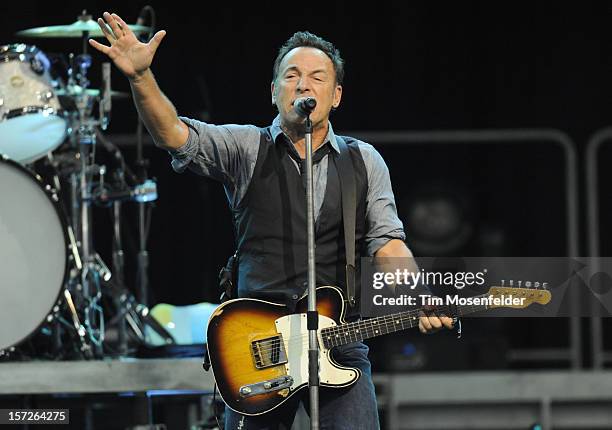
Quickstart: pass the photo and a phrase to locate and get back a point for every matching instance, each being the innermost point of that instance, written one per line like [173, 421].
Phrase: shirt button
[294, 297]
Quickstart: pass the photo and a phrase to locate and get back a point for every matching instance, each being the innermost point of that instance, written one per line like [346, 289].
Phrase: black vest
[270, 223]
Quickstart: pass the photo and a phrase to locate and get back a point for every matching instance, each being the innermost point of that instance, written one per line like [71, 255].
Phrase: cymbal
[77, 90]
[75, 29]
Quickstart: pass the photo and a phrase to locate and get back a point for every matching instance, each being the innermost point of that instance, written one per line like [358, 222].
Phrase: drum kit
[55, 287]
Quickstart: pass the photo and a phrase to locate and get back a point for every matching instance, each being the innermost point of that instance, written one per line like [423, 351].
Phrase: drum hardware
[142, 278]
[136, 316]
[37, 113]
[141, 193]
[144, 208]
[81, 185]
[80, 330]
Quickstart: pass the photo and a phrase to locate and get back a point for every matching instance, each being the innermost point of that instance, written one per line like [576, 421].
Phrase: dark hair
[307, 39]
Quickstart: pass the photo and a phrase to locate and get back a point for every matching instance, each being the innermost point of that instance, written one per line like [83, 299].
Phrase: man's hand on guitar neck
[430, 322]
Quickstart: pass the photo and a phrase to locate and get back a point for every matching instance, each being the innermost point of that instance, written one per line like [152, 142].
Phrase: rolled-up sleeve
[226, 153]
[181, 157]
[383, 224]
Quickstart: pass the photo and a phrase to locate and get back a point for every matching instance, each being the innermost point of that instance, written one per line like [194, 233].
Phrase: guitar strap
[346, 173]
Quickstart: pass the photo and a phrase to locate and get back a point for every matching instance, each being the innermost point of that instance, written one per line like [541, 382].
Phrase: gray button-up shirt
[228, 153]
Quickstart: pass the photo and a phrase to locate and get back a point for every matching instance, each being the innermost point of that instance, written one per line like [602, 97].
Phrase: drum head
[30, 136]
[33, 253]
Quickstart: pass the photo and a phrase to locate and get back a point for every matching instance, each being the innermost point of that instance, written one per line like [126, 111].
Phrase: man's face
[306, 72]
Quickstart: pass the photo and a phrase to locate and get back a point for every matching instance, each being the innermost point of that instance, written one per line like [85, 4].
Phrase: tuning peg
[527, 284]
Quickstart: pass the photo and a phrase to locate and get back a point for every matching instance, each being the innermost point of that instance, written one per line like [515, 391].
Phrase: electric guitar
[259, 352]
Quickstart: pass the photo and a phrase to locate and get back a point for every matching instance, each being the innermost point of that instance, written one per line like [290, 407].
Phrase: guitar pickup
[266, 386]
[268, 352]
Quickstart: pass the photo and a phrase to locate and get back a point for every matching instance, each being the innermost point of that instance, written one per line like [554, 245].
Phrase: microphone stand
[312, 315]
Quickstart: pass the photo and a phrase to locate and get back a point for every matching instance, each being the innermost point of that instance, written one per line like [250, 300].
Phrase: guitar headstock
[526, 292]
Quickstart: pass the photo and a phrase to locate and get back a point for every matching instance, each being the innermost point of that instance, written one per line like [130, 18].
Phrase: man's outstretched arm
[133, 58]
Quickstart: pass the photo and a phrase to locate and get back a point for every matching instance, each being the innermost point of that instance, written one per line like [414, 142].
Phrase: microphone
[304, 106]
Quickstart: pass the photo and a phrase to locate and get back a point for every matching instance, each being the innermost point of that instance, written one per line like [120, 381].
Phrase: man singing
[261, 171]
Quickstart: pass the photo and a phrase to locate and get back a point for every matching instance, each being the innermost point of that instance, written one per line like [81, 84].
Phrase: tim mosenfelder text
[450, 300]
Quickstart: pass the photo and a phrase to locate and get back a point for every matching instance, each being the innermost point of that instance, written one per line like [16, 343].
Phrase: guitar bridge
[268, 352]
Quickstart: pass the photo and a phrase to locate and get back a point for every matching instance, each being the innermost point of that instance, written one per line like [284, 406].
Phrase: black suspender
[349, 210]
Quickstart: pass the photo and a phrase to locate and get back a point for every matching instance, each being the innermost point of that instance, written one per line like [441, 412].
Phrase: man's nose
[303, 85]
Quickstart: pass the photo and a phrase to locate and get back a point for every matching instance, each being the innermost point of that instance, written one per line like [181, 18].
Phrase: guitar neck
[373, 327]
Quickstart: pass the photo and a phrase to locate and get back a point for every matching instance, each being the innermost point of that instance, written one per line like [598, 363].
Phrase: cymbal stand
[130, 312]
[118, 270]
[144, 205]
[142, 279]
[93, 269]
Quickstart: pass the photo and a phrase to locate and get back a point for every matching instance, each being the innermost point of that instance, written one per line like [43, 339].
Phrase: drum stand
[94, 272]
[83, 290]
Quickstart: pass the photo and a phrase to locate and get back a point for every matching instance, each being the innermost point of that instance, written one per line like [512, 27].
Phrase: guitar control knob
[267, 385]
[245, 390]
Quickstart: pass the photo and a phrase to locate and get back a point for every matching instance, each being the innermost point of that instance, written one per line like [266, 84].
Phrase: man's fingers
[421, 328]
[432, 323]
[102, 48]
[113, 24]
[447, 322]
[424, 323]
[107, 33]
[435, 321]
[126, 28]
[154, 43]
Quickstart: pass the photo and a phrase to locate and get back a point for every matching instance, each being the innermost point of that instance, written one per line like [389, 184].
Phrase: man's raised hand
[130, 55]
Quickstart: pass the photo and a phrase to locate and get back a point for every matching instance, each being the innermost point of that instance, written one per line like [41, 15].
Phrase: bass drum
[33, 253]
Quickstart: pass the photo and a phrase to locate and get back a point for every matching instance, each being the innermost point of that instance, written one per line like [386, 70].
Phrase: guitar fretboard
[365, 329]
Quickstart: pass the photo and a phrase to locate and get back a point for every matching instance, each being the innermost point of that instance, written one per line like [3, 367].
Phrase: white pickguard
[295, 337]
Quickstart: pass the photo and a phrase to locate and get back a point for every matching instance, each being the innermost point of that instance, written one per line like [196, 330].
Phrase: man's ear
[337, 96]
[273, 93]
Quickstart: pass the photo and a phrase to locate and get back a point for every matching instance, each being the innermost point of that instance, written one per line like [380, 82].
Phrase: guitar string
[370, 327]
[355, 329]
[374, 325]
